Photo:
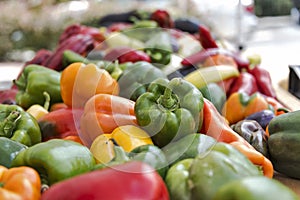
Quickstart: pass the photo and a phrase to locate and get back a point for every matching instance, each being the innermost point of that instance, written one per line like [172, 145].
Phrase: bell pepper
[159, 48]
[253, 133]
[56, 160]
[79, 82]
[8, 150]
[262, 117]
[8, 96]
[216, 126]
[284, 143]
[60, 123]
[131, 180]
[136, 78]
[239, 105]
[169, 110]
[33, 82]
[245, 82]
[188, 147]
[18, 125]
[246, 189]
[200, 177]
[19, 183]
[103, 113]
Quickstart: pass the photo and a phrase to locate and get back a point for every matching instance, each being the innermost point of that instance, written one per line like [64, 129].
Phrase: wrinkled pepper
[131, 180]
[19, 183]
[216, 126]
[245, 82]
[136, 78]
[60, 123]
[33, 82]
[79, 82]
[239, 105]
[200, 177]
[284, 143]
[8, 150]
[18, 125]
[103, 113]
[246, 189]
[56, 160]
[253, 133]
[169, 110]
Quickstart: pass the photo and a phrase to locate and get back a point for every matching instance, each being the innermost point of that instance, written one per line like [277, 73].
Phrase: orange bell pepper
[79, 82]
[239, 105]
[103, 113]
[19, 183]
[216, 126]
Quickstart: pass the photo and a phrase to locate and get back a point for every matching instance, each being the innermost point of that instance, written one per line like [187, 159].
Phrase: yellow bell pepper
[38, 111]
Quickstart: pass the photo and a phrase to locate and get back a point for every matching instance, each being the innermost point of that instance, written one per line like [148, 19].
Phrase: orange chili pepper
[216, 126]
[19, 183]
[103, 113]
[79, 82]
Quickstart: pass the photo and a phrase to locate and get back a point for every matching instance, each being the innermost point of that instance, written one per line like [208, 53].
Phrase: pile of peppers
[118, 117]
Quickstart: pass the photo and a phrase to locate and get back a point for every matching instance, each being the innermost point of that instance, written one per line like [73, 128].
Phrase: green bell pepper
[8, 150]
[18, 125]
[136, 78]
[169, 110]
[253, 188]
[188, 147]
[284, 143]
[201, 177]
[56, 159]
[33, 82]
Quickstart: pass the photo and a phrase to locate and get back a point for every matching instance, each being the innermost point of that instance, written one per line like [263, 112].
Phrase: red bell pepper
[131, 180]
[245, 82]
[60, 123]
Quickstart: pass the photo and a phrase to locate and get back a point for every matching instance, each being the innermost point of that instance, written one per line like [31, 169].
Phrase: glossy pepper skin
[18, 125]
[245, 82]
[169, 110]
[19, 183]
[8, 150]
[203, 175]
[284, 143]
[33, 82]
[56, 159]
[136, 78]
[132, 180]
[246, 189]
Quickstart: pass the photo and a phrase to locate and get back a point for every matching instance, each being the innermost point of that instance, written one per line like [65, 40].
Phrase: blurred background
[29, 25]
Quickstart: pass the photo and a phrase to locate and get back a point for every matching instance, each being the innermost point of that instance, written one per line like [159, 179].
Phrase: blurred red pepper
[245, 82]
[263, 80]
[126, 54]
[206, 39]
[131, 180]
[163, 18]
[60, 123]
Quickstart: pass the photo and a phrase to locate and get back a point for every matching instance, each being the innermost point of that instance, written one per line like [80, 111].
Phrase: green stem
[1, 184]
[8, 125]
[168, 100]
[47, 100]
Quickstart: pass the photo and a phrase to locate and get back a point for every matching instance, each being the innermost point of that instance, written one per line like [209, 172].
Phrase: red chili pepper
[206, 39]
[163, 18]
[125, 54]
[263, 80]
[245, 82]
[131, 180]
[60, 123]
[200, 56]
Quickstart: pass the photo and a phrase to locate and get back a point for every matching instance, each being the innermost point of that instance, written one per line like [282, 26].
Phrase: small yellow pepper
[38, 111]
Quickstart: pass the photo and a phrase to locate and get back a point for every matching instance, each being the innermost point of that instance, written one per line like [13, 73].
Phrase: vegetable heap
[154, 109]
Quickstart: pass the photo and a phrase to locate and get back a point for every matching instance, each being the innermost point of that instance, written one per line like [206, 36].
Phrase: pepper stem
[8, 125]
[1, 184]
[168, 100]
[47, 100]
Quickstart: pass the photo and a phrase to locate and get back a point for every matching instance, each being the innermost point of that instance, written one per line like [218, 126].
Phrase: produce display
[145, 108]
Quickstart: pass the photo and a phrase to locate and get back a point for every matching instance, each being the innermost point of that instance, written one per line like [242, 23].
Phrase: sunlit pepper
[79, 82]
[19, 183]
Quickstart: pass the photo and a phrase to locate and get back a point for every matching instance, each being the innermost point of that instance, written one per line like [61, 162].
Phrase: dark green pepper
[56, 159]
[201, 177]
[136, 78]
[284, 143]
[8, 150]
[33, 82]
[254, 134]
[253, 188]
[188, 147]
[169, 110]
[18, 125]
